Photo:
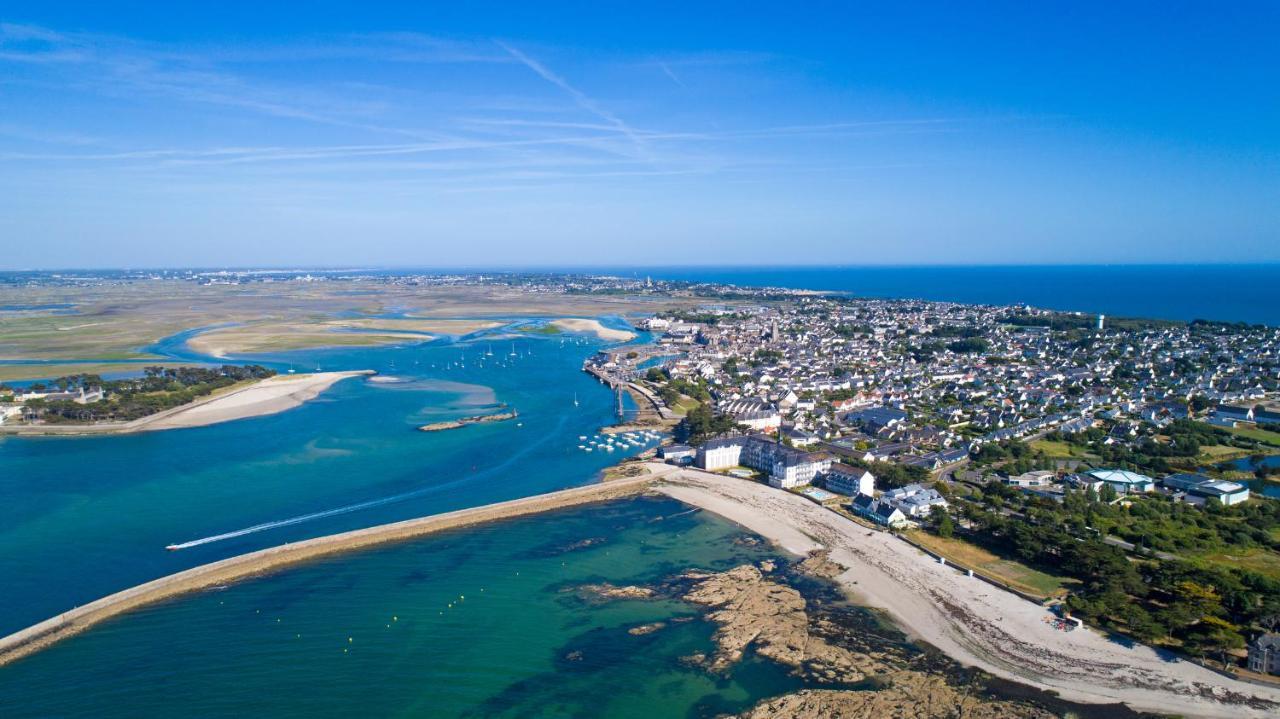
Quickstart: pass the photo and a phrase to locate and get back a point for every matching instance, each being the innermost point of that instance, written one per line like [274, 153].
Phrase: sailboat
[575, 399]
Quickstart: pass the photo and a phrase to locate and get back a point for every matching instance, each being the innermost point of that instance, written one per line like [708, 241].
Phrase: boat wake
[265, 526]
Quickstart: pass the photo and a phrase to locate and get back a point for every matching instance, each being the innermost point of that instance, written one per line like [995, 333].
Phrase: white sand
[573, 324]
[268, 396]
[271, 395]
[970, 620]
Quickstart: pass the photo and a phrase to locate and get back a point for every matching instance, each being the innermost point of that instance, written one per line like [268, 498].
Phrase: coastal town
[980, 473]
[1148, 443]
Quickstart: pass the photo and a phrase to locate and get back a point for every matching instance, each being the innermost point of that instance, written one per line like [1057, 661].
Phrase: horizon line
[571, 268]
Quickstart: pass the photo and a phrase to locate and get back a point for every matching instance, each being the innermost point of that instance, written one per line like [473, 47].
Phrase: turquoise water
[84, 517]
[477, 622]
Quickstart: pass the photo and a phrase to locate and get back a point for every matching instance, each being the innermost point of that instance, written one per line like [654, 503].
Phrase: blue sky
[348, 134]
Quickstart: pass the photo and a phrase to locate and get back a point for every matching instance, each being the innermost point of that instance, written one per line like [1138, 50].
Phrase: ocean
[481, 622]
[82, 517]
[1230, 293]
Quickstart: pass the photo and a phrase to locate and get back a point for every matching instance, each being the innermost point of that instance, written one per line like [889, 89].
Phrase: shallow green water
[83, 517]
[476, 622]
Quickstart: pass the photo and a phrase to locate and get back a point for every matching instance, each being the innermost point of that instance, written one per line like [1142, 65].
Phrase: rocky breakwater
[463, 422]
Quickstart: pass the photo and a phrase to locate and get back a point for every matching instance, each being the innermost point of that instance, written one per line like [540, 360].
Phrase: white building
[914, 500]
[850, 481]
[718, 454]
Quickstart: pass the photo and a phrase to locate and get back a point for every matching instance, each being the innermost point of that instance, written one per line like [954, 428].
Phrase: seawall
[39, 636]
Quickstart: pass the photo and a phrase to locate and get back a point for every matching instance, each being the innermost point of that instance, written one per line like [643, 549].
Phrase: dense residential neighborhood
[1130, 458]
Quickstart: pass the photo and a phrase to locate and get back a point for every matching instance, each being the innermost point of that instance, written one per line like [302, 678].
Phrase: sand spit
[65, 625]
[971, 621]
[572, 324]
[267, 396]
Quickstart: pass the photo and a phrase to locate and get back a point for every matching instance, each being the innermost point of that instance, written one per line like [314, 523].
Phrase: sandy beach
[268, 396]
[65, 625]
[573, 324]
[970, 620]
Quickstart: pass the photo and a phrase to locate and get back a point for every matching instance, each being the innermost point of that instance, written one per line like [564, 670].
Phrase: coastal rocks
[908, 695]
[607, 591]
[456, 423]
[756, 612]
[644, 629]
[817, 564]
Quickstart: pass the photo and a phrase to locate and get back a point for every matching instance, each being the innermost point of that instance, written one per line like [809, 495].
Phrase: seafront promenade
[69, 623]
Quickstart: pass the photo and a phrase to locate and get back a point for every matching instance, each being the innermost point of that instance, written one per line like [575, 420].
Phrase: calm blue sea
[1234, 293]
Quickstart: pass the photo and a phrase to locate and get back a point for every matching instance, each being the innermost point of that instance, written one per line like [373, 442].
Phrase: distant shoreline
[266, 396]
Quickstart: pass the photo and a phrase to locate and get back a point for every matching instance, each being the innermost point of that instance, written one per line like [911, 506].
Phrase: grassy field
[1221, 453]
[1262, 561]
[1060, 450]
[1261, 435]
[685, 404]
[541, 329]
[1010, 572]
[23, 372]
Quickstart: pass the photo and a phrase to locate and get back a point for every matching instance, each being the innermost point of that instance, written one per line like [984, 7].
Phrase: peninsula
[261, 397]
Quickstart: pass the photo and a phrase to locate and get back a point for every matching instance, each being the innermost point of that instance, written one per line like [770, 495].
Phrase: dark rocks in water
[643, 629]
[456, 423]
[906, 695]
[758, 612]
[818, 565]
[608, 591]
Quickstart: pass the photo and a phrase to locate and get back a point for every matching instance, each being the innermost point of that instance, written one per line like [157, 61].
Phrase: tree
[942, 523]
[1107, 494]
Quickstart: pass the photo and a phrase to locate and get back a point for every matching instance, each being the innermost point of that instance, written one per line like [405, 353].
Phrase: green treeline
[1201, 608]
[158, 389]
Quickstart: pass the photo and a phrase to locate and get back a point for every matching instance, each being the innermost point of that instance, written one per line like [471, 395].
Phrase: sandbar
[577, 324]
